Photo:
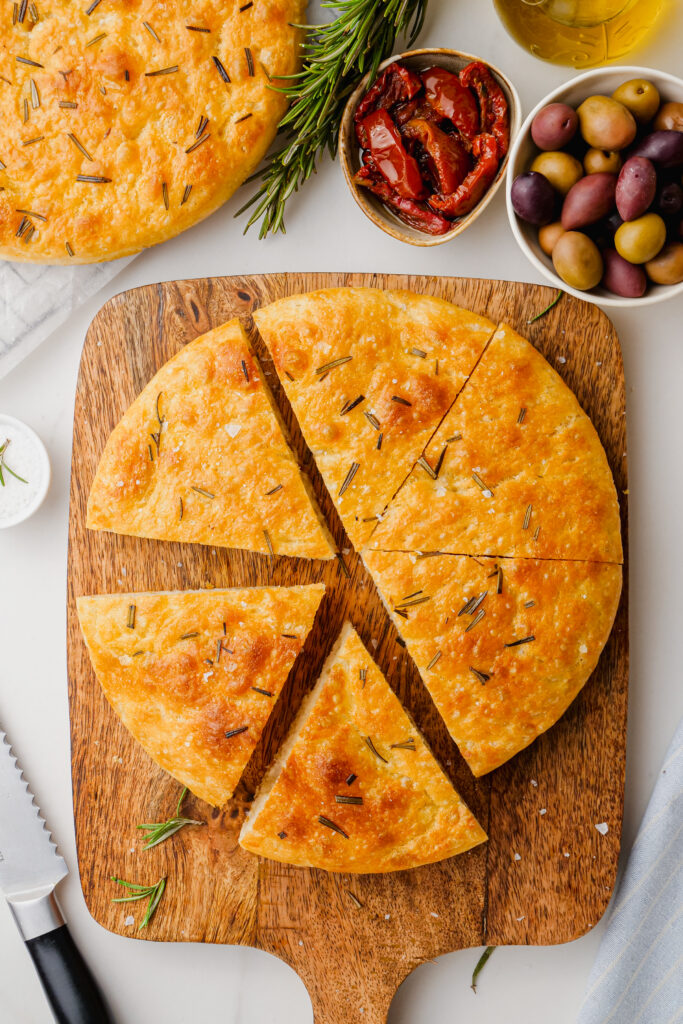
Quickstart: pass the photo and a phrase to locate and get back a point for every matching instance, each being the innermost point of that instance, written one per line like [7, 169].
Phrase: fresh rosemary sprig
[4, 466]
[547, 309]
[153, 893]
[159, 831]
[336, 55]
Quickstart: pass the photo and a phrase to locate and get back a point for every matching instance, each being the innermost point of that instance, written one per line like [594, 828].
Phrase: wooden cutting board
[542, 878]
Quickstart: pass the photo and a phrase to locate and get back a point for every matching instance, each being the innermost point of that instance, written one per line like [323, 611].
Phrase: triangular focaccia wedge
[187, 671]
[503, 646]
[521, 470]
[354, 787]
[200, 457]
[370, 374]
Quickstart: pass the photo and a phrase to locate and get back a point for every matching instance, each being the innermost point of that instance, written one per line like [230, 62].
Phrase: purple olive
[664, 148]
[621, 277]
[670, 199]
[533, 198]
[554, 126]
[636, 187]
[589, 200]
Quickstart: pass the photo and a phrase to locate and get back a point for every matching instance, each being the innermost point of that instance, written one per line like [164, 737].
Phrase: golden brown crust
[567, 607]
[176, 693]
[414, 348]
[136, 127]
[200, 457]
[410, 814]
[544, 487]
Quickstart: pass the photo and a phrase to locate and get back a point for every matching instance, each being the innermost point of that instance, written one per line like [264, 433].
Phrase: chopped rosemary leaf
[344, 566]
[203, 121]
[355, 800]
[26, 114]
[161, 71]
[32, 213]
[289, 636]
[235, 732]
[97, 39]
[180, 509]
[374, 749]
[331, 825]
[151, 453]
[274, 490]
[524, 640]
[221, 70]
[196, 28]
[164, 193]
[35, 95]
[282, 834]
[245, 117]
[68, 104]
[186, 194]
[349, 405]
[477, 602]
[434, 660]
[483, 677]
[399, 611]
[188, 636]
[456, 437]
[269, 544]
[404, 745]
[522, 414]
[355, 466]
[400, 401]
[362, 675]
[197, 144]
[69, 250]
[205, 494]
[527, 517]
[547, 308]
[31, 63]
[372, 420]
[415, 600]
[335, 362]
[93, 5]
[351, 779]
[266, 693]
[250, 61]
[418, 352]
[79, 145]
[354, 899]
[93, 179]
[427, 468]
[480, 965]
[379, 441]
[408, 596]
[28, 235]
[29, 142]
[481, 485]
[439, 461]
[536, 532]
[477, 619]
[131, 616]
[151, 31]
[529, 604]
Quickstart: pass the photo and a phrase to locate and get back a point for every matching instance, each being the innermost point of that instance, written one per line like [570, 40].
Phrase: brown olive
[577, 260]
[669, 118]
[602, 161]
[667, 266]
[548, 235]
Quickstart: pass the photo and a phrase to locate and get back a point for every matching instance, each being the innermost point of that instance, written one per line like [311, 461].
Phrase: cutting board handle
[361, 994]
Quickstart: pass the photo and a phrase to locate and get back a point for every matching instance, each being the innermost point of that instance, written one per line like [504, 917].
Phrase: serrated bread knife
[30, 868]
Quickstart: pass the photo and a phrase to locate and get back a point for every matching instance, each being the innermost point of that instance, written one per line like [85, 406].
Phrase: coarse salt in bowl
[25, 469]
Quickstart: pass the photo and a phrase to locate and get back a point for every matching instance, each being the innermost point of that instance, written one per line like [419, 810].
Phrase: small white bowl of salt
[24, 471]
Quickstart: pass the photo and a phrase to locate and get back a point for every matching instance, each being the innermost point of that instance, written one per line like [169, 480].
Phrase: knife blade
[30, 868]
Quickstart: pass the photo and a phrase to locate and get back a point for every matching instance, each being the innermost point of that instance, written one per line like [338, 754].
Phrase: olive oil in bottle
[580, 33]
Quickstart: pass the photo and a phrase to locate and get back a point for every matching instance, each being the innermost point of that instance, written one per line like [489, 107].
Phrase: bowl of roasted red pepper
[425, 147]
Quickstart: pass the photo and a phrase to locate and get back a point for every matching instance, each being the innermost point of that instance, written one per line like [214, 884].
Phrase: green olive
[640, 97]
[605, 123]
[548, 235]
[577, 260]
[602, 161]
[639, 240]
[667, 266]
[561, 169]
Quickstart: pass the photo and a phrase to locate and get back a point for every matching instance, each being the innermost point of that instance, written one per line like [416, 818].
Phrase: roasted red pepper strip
[447, 158]
[381, 137]
[415, 214]
[452, 100]
[495, 118]
[395, 84]
[475, 185]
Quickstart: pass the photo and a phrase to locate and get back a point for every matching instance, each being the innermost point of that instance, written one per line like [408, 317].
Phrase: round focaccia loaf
[122, 124]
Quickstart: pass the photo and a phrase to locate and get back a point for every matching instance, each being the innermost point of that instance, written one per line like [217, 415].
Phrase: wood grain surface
[352, 960]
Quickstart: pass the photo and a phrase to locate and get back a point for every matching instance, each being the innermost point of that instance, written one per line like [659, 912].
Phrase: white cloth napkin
[35, 299]
[638, 975]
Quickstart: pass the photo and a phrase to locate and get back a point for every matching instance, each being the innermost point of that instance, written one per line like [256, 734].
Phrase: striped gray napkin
[638, 975]
[35, 299]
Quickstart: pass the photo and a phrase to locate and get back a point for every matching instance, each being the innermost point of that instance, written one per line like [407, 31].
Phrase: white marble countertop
[177, 984]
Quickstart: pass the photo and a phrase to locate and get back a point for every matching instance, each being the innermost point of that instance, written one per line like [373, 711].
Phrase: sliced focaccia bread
[355, 787]
[200, 456]
[516, 468]
[370, 374]
[194, 675]
[504, 645]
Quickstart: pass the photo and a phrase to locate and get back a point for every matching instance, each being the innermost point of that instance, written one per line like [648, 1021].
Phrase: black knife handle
[70, 987]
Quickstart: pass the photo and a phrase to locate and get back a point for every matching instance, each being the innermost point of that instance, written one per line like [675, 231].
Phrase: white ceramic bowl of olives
[595, 186]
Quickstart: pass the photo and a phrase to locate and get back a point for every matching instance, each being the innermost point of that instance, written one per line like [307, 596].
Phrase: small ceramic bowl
[26, 457]
[418, 60]
[601, 81]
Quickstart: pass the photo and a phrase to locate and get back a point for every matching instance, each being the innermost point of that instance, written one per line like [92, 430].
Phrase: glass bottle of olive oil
[581, 33]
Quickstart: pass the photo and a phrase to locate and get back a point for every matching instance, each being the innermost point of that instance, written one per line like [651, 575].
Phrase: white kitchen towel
[638, 975]
[35, 299]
